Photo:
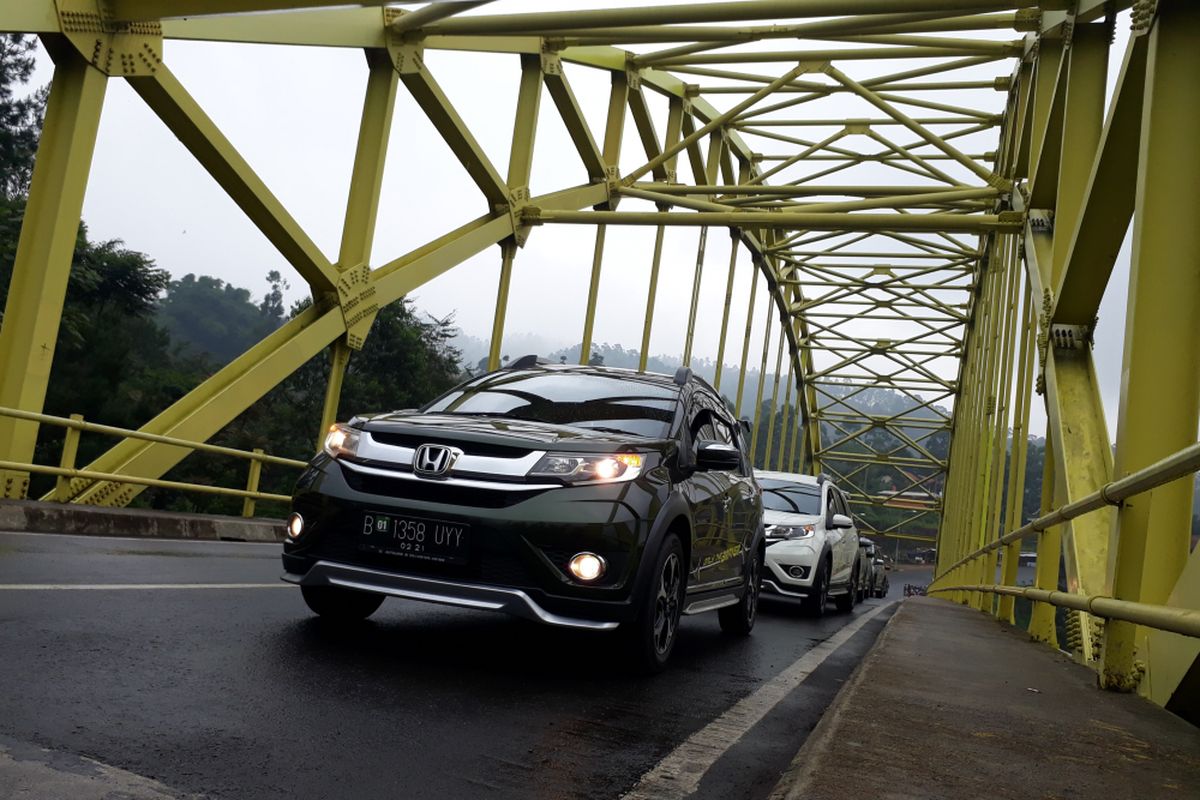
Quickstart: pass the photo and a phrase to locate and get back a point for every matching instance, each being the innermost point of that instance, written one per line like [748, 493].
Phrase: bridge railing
[75, 425]
[1167, 618]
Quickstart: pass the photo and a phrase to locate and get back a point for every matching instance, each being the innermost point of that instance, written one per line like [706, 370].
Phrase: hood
[785, 518]
[501, 431]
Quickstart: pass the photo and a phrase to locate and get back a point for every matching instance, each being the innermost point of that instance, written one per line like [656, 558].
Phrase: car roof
[623, 373]
[791, 477]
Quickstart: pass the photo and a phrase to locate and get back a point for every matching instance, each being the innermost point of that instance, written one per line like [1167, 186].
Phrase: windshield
[599, 402]
[793, 498]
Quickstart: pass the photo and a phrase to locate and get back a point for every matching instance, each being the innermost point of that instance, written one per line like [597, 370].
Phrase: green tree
[20, 117]
[407, 360]
[208, 317]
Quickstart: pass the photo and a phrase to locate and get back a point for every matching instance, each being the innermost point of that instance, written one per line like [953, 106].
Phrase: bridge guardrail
[75, 425]
[1175, 620]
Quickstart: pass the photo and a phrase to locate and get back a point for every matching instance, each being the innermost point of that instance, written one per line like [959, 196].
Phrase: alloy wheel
[666, 604]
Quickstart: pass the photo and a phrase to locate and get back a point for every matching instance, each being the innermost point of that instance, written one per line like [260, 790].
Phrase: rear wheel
[339, 604]
[815, 603]
[738, 619]
[653, 633]
[845, 602]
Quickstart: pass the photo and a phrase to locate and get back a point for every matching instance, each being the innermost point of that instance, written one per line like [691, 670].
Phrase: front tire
[815, 603]
[654, 631]
[845, 602]
[738, 619]
[340, 604]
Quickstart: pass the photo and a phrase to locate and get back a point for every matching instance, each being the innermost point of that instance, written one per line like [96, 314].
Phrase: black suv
[583, 497]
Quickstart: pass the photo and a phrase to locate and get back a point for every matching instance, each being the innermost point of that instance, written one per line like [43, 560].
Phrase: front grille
[434, 491]
[414, 441]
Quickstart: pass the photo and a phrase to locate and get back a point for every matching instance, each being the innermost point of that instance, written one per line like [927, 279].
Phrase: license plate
[417, 538]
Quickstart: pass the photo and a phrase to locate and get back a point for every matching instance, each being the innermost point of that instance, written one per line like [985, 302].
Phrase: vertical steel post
[62, 485]
[701, 244]
[733, 254]
[737, 407]
[589, 318]
[1049, 553]
[1020, 450]
[362, 205]
[774, 412]
[789, 418]
[762, 379]
[508, 251]
[42, 264]
[1160, 378]
[339, 357]
[252, 483]
[651, 293]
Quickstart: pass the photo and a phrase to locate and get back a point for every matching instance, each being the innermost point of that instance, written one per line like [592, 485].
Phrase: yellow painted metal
[1160, 386]
[508, 251]
[339, 359]
[762, 380]
[1049, 554]
[720, 361]
[694, 306]
[167, 98]
[589, 313]
[62, 486]
[1019, 452]
[750, 307]
[252, 478]
[1107, 201]
[847, 258]
[773, 409]
[43, 258]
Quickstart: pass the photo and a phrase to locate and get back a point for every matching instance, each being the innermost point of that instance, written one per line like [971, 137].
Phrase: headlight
[789, 531]
[341, 441]
[572, 468]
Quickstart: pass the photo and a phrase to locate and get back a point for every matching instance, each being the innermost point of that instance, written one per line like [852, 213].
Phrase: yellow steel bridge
[954, 251]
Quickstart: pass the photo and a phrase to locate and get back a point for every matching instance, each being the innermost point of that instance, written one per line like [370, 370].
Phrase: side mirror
[841, 522]
[745, 423]
[718, 456]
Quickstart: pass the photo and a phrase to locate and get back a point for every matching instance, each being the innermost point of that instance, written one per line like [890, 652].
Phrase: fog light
[587, 566]
[796, 572]
[295, 526]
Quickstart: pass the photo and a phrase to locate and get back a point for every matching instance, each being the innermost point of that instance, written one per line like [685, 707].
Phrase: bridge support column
[1160, 378]
[1049, 552]
[43, 260]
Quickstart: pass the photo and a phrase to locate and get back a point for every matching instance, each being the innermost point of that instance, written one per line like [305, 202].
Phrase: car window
[790, 497]
[619, 403]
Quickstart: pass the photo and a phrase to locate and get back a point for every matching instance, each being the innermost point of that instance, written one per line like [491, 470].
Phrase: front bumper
[790, 568]
[521, 541]
[430, 590]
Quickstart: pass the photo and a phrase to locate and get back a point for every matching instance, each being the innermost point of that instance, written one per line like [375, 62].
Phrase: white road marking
[54, 587]
[679, 774]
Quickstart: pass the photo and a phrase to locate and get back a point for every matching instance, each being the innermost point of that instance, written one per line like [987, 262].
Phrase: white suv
[812, 544]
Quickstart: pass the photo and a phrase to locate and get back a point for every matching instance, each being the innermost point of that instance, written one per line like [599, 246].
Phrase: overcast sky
[293, 114]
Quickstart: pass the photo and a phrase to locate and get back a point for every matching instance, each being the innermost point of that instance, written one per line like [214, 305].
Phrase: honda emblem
[434, 460]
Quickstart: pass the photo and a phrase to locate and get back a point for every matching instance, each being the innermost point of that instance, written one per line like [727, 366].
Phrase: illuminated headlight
[790, 531]
[571, 468]
[295, 526]
[341, 441]
[587, 567]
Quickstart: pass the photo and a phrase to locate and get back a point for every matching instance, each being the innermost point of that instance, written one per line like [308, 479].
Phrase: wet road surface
[229, 688]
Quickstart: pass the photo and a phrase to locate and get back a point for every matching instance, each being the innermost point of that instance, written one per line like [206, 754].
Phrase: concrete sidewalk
[952, 704]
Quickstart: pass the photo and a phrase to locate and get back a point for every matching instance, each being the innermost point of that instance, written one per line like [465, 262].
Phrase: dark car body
[498, 538]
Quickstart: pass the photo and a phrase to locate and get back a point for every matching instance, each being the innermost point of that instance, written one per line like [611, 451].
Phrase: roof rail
[524, 362]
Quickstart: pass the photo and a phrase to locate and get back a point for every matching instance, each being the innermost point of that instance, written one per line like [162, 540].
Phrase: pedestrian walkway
[951, 703]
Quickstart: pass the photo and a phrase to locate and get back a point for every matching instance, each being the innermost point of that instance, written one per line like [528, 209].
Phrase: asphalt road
[229, 688]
